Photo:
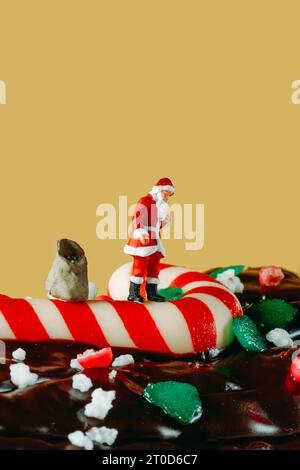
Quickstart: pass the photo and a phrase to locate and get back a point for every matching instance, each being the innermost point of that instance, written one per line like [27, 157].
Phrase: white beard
[161, 205]
[163, 210]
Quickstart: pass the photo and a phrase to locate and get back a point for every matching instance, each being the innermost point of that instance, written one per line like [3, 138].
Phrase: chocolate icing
[288, 289]
[249, 399]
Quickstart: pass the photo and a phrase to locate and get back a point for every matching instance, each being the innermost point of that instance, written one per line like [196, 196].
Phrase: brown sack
[68, 278]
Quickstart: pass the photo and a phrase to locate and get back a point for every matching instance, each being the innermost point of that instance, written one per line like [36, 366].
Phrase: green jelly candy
[248, 334]
[177, 399]
[273, 313]
[171, 293]
[237, 270]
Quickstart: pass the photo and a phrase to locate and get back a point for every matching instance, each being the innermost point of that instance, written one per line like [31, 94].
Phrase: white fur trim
[152, 280]
[136, 279]
[138, 232]
[160, 247]
[140, 250]
[156, 189]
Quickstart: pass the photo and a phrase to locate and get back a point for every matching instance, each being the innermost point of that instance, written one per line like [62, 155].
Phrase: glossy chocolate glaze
[288, 289]
[249, 399]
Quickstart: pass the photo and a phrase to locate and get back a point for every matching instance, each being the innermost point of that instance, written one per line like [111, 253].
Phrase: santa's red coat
[145, 220]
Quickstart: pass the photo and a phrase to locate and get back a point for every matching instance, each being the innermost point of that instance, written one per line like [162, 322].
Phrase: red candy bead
[295, 369]
[102, 358]
[270, 276]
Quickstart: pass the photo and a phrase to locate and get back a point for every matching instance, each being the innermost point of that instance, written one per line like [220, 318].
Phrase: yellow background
[105, 97]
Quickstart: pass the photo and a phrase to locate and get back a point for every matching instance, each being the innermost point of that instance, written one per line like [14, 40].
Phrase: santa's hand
[144, 239]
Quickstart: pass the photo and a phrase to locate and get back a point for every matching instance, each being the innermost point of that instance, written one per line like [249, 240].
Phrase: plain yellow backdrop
[105, 97]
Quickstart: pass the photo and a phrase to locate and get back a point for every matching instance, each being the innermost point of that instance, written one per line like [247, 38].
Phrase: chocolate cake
[249, 399]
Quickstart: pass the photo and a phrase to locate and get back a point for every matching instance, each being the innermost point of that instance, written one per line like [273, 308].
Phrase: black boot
[152, 293]
[134, 293]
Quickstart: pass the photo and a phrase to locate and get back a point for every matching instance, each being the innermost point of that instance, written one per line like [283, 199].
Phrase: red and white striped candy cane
[200, 320]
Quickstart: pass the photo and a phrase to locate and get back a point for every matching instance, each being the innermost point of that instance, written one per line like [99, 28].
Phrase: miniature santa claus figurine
[150, 215]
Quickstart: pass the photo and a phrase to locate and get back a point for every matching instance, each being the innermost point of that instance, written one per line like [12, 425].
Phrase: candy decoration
[270, 276]
[171, 293]
[237, 270]
[200, 320]
[93, 289]
[273, 313]
[248, 334]
[102, 358]
[231, 281]
[177, 399]
[295, 369]
[280, 338]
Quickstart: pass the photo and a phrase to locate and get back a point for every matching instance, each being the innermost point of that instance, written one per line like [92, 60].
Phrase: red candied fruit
[270, 276]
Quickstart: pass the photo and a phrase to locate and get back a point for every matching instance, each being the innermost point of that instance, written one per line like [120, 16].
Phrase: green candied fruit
[177, 399]
[248, 335]
[171, 293]
[273, 313]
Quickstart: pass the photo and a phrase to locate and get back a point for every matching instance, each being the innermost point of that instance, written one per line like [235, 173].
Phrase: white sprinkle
[74, 364]
[214, 352]
[112, 375]
[229, 280]
[21, 376]
[231, 386]
[87, 352]
[81, 382]
[280, 338]
[169, 433]
[103, 435]
[93, 290]
[123, 360]
[100, 404]
[78, 439]
[19, 354]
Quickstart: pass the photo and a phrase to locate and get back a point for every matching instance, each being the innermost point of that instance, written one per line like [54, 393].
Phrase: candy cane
[202, 319]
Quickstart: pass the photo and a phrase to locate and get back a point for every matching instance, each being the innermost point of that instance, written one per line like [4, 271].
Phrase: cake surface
[249, 399]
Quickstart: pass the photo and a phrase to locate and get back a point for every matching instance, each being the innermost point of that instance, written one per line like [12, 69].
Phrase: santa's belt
[153, 229]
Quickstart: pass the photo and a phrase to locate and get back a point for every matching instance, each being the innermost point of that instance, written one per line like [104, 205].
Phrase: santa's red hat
[164, 184]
